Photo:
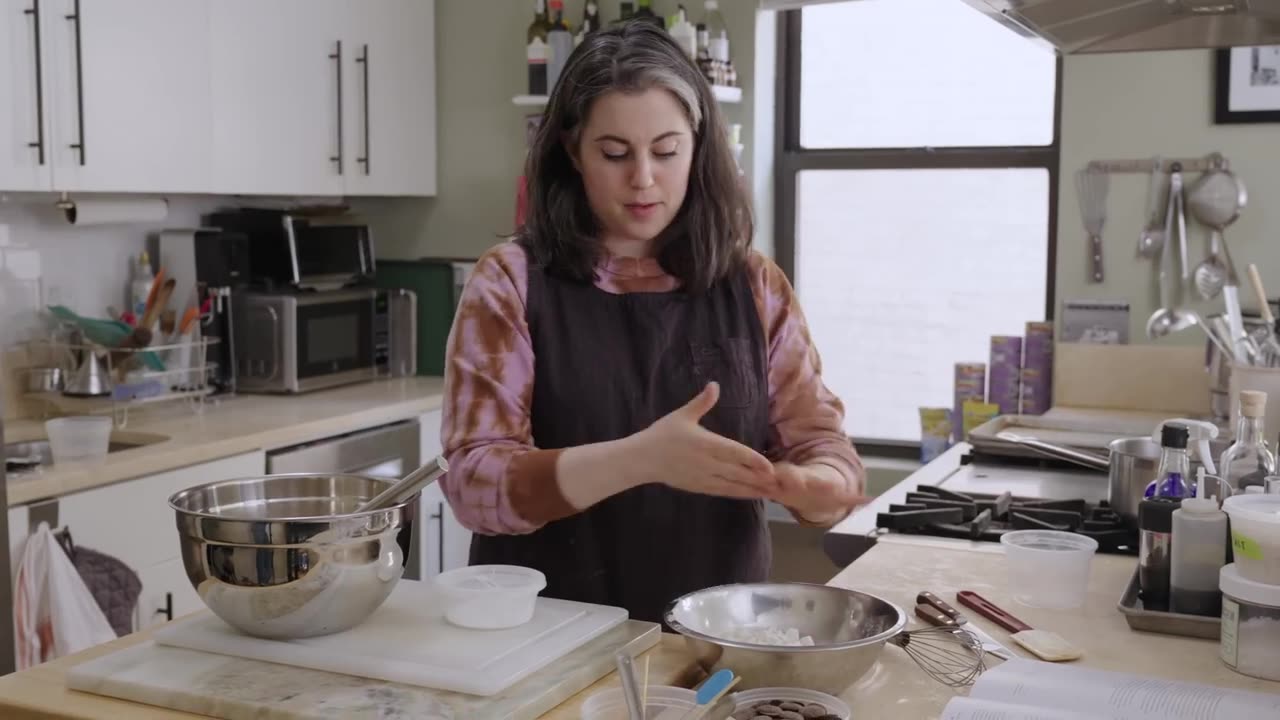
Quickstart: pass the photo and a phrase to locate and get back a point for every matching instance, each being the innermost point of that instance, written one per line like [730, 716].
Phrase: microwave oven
[296, 342]
[289, 251]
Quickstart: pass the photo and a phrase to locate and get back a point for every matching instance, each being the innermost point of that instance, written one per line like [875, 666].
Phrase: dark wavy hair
[710, 235]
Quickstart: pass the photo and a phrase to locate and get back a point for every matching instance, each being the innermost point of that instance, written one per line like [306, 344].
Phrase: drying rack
[177, 371]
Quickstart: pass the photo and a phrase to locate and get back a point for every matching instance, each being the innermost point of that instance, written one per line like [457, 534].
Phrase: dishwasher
[388, 451]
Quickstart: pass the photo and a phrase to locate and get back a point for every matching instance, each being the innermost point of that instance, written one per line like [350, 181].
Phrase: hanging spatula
[1092, 185]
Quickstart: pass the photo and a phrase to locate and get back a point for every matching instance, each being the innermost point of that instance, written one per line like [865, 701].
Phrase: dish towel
[54, 614]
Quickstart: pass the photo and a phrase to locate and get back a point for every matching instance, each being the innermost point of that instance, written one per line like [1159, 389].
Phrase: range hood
[1108, 26]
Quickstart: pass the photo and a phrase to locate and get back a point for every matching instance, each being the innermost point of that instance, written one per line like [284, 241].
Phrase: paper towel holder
[64, 202]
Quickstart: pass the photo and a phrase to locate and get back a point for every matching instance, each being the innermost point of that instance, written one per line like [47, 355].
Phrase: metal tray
[1165, 623]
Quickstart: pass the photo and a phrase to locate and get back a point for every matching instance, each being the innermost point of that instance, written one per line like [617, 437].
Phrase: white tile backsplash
[45, 260]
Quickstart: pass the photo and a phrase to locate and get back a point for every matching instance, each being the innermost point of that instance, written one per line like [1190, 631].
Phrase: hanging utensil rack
[1148, 165]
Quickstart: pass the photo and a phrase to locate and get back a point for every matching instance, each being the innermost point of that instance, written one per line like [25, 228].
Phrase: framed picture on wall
[1247, 85]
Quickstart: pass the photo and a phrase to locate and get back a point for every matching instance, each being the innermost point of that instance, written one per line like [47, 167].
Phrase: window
[916, 196]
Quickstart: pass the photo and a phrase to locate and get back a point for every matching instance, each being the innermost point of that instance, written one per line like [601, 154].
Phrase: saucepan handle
[1089, 460]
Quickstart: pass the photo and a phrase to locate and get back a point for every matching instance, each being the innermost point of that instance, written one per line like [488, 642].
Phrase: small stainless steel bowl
[44, 379]
[286, 556]
[849, 630]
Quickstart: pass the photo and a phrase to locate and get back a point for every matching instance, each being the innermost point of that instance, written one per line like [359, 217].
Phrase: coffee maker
[209, 264]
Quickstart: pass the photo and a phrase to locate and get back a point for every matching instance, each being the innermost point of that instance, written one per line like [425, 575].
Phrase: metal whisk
[950, 655]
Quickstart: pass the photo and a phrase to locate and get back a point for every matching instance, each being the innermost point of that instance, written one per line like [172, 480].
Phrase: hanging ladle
[1169, 319]
[405, 487]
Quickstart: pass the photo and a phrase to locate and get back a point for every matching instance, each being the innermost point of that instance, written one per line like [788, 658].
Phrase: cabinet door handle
[336, 57]
[34, 12]
[363, 61]
[439, 518]
[75, 18]
[167, 610]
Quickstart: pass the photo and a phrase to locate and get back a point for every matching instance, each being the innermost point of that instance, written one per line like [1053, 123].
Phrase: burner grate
[932, 510]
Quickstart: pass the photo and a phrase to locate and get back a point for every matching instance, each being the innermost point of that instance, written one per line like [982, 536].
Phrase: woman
[627, 382]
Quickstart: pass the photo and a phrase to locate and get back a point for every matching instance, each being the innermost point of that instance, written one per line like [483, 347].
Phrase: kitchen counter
[895, 687]
[227, 426]
[41, 692]
[896, 569]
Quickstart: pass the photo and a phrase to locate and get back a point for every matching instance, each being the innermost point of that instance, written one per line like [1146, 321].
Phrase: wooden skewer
[644, 688]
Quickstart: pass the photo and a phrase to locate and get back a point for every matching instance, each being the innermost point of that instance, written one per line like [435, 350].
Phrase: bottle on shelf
[646, 13]
[590, 22]
[1248, 461]
[685, 35]
[1172, 474]
[536, 50]
[1199, 552]
[718, 44]
[559, 44]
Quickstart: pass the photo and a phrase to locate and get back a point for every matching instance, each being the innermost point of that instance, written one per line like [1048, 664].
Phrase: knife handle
[990, 611]
[934, 616]
[942, 606]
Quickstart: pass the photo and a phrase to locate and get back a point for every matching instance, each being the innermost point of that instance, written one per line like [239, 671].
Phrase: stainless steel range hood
[1108, 26]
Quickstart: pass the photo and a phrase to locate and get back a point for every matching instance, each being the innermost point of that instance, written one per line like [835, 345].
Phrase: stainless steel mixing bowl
[286, 556]
[849, 630]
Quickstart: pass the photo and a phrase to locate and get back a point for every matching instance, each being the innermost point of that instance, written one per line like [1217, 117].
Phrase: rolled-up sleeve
[806, 420]
[498, 483]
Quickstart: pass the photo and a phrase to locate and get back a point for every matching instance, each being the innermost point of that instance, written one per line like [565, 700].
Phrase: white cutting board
[408, 640]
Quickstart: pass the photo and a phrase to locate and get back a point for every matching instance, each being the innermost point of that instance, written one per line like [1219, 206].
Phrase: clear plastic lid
[488, 578]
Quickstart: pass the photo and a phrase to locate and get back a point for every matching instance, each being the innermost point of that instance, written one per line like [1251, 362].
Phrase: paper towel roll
[107, 212]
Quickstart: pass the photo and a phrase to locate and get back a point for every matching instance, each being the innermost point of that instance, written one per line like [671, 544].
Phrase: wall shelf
[722, 93]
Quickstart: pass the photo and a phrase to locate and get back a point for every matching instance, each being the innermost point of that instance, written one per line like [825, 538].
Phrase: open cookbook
[1031, 690]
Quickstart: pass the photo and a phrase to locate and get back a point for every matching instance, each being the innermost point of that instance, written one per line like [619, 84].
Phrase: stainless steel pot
[1130, 465]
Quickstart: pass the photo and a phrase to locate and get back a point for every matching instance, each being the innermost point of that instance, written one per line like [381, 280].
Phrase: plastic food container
[1250, 642]
[78, 438]
[1047, 568]
[834, 706]
[491, 597]
[1255, 536]
[662, 701]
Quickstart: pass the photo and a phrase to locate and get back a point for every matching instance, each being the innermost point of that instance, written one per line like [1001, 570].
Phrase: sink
[28, 455]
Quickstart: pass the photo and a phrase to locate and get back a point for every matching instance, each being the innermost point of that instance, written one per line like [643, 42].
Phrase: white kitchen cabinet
[291, 97]
[25, 162]
[18, 531]
[324, 97]
[128, 94]
[390, 113]
[444, 543]
[166, 594]
[131, 521]
[276, 77]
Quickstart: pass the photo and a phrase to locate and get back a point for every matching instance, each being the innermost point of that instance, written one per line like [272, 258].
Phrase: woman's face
[634, 155]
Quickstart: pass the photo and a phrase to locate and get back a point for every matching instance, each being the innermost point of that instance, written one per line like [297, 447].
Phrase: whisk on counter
[953, 656]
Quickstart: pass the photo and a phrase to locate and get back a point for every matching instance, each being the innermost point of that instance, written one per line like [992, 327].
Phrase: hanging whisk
[950, 655]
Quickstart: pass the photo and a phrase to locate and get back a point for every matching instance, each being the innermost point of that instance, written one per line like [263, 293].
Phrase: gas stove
[944, 503]
[938, 512]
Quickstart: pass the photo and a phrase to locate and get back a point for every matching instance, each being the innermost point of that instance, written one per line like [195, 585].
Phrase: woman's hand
[818, 492]
[678, 452]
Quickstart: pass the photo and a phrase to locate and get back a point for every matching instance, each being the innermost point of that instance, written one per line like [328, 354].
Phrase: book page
[1119, 696]
[967, 708]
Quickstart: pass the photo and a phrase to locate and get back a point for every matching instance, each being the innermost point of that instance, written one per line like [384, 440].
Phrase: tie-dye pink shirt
[499, 483]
